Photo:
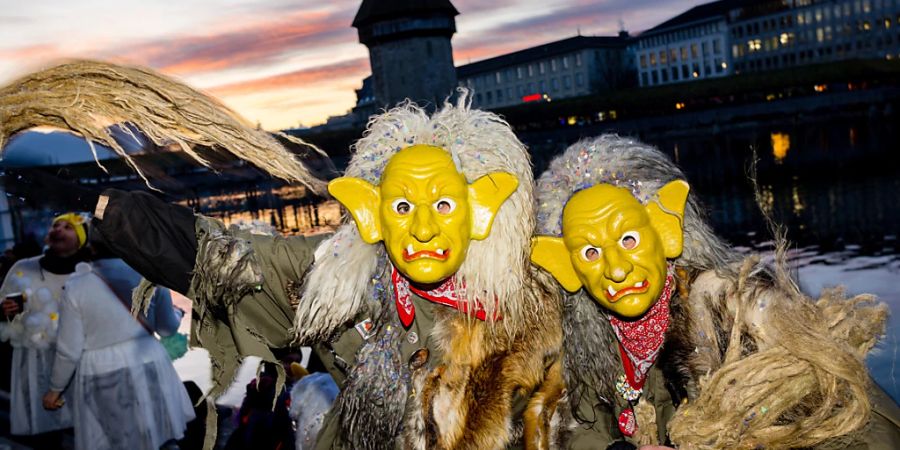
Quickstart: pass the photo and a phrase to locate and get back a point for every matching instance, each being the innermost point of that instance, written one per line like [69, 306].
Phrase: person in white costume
[125, 391]
[31, 324]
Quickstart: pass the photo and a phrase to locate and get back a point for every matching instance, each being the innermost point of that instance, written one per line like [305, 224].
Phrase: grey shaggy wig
[496, 267]
[628, 163]
[642, 169]
[745, 335]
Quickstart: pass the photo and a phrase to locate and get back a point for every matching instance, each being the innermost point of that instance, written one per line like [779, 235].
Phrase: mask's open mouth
[438, 254]
[613, 295]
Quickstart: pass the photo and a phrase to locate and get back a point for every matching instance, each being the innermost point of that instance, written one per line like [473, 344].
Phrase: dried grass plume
[87, 97]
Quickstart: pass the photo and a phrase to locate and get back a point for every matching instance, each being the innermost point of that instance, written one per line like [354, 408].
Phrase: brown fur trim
[466, 401]
[539, 413]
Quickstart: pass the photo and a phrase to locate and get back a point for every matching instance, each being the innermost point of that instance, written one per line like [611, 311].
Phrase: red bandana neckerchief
[446, 294]
[641, 340]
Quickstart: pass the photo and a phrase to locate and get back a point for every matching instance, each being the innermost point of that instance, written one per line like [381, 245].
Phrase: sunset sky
[282, 63]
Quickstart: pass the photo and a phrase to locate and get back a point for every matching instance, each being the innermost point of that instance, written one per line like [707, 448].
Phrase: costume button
[418, 358]
[412, 337]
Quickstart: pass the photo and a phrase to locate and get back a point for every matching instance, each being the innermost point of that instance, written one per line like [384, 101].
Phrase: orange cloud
[354, 68]
[32, 52]
[257, 44]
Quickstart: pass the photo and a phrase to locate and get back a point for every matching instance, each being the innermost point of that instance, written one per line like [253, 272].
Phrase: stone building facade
[409, 49]
[581, 65]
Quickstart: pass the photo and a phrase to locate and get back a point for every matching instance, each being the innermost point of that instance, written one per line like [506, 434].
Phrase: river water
[834, 185]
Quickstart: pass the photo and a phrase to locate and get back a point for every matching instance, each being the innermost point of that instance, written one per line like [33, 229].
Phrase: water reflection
[831, 185]
[828, 183]
[288, 210]
[781, 143]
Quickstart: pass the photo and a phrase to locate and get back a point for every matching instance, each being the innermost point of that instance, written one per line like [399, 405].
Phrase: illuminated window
[531, 70]
[541, 67]
[643, 61]
[653, 60]
[662, 57]
[683, 53]
[565, 62]
[578, 59]
[553, 64]
[694, 51]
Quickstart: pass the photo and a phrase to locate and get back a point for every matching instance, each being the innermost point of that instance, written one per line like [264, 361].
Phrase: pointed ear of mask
[667, 215]
[362, 199]
[486, 194]
[551, 254]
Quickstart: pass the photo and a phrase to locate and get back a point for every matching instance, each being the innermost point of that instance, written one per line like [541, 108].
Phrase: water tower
[409, 49]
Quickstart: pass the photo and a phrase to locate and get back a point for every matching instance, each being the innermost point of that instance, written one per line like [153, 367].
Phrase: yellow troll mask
[616, 247]
[424, 210]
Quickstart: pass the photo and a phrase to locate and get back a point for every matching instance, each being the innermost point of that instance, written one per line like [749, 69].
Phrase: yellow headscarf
[77, 222]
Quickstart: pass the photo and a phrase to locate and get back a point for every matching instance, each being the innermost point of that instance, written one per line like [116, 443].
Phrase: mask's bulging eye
[630, 240]
[590, 253]
[401, 206]
[445, 206]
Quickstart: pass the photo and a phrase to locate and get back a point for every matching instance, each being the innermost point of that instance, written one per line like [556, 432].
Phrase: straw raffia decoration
[805, 386]
[87, 97]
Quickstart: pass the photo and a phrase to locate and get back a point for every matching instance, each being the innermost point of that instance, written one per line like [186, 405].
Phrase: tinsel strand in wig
[87, 97]
[635, 166]
[495, 268]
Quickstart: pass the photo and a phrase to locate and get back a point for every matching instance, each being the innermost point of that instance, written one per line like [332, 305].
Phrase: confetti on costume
[750, 361]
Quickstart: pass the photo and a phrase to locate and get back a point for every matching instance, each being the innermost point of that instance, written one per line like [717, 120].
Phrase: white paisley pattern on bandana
[641, 340]
[446, 294]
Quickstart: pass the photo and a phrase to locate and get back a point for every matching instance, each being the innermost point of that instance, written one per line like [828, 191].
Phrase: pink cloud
[354, 69]
[258, 44]
[32, 52]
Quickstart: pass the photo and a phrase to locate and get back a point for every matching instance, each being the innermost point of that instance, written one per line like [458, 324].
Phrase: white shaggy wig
[630, 164]
[496, 267]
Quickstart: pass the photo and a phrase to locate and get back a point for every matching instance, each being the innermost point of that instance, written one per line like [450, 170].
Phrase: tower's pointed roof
[374, 10]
